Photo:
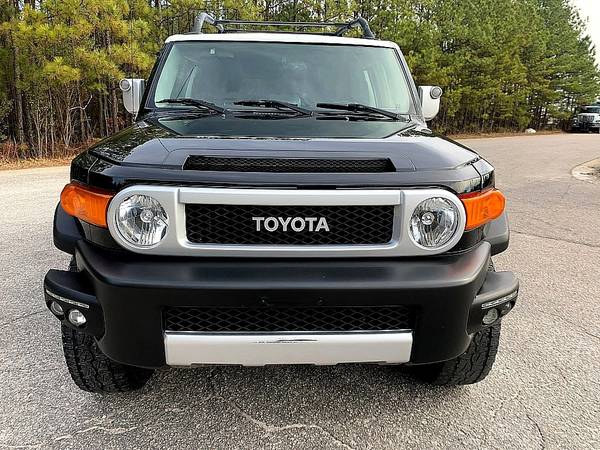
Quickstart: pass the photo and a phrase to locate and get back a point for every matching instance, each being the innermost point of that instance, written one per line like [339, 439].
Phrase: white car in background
[588, 119]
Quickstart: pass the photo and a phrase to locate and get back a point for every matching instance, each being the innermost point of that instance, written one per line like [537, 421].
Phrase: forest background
[504, 65]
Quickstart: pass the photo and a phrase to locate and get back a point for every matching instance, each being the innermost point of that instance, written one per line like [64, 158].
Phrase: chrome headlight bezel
[143, 214]
[436, 208]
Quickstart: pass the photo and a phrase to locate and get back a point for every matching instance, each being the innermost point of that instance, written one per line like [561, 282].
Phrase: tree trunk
[101, 115]
[82, 134]
[114, 108]
[106, 114]
[18, 98]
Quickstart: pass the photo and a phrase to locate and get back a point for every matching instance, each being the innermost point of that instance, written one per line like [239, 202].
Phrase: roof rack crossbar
[281, 24]
[341, 27]
[240, 30]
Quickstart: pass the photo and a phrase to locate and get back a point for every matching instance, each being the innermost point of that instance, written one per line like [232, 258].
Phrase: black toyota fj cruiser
[279, 200]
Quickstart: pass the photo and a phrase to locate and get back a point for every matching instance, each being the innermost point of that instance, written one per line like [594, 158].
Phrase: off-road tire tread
[91, 370]
[473, 365]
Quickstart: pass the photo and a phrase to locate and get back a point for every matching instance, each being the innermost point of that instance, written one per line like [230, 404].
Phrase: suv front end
[265, 234]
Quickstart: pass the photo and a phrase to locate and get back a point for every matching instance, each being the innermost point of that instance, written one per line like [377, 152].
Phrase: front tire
[92, 370]
[470, 367]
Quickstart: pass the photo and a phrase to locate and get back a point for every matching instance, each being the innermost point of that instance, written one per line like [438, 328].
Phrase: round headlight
[434, 222]
[141, 220]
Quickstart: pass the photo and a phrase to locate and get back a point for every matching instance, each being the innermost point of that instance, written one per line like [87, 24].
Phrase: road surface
[544, 391]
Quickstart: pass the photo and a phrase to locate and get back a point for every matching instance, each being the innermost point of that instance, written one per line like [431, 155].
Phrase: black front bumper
[127, 294]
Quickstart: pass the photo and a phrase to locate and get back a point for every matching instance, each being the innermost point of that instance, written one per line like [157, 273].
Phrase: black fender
[497, 233]
[67, 231]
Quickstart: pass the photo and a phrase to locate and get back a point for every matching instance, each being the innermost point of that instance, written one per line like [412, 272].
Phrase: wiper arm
[197, 103]
[359, 107]
[277, 104]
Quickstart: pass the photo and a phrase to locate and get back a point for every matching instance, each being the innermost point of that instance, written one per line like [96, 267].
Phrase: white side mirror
[133, 89]
[430, 101]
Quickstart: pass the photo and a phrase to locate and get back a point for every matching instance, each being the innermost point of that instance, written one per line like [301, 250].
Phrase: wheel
[92, 370]
[470, 367]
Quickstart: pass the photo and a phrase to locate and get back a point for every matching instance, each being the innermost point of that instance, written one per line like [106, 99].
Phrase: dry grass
[501, 134]
[33, 163]
[13, 157]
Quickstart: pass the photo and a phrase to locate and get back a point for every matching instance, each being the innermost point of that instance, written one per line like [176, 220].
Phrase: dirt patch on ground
[589, 171]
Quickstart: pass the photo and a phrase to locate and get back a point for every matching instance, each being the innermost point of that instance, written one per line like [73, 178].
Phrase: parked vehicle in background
[587, 120]
[279, 200]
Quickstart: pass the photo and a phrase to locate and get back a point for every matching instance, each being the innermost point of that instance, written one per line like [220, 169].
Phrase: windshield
[591, 109]
[302, 74]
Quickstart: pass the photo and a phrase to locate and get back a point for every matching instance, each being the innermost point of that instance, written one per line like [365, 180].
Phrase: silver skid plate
[187, 349]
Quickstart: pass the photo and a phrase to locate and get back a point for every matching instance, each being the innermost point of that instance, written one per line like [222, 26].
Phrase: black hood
[168, 141]
[160, 146]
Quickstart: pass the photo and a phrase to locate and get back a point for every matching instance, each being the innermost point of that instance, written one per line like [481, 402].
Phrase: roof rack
[222, 26]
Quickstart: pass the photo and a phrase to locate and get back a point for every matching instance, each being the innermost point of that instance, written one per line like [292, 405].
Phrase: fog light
[56, 309]
[491, 316]
[77, 318]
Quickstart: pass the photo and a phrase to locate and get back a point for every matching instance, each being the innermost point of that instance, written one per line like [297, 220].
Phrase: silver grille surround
[175, 243]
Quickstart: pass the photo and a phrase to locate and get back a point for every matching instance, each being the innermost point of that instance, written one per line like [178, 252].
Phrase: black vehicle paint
[446, 290]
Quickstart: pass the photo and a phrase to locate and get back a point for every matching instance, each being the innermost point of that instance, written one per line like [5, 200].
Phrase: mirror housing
[430, 101]
[133, 89]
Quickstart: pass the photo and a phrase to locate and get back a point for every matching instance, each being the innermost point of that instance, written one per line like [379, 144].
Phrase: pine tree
[503, 64]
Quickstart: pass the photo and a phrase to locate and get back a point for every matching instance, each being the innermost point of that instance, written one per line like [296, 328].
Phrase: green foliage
[503, 64]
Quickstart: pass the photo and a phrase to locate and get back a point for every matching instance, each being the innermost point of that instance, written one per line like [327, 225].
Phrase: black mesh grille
[288, 165]
[234, 224]
[248, 320]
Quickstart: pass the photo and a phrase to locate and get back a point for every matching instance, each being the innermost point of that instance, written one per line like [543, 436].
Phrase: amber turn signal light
[483, 207]
[86, 203]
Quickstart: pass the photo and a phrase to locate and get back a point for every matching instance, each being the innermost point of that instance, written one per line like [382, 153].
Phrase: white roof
[297, 38]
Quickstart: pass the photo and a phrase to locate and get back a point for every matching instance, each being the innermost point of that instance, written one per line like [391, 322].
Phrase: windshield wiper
[197, 103]
[277, 104]
[360, 108]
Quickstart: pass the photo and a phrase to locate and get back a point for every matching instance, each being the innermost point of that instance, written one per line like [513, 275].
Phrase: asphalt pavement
[544, 390]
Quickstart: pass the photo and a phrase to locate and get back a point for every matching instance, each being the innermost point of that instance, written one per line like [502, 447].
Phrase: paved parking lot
[544, 391]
